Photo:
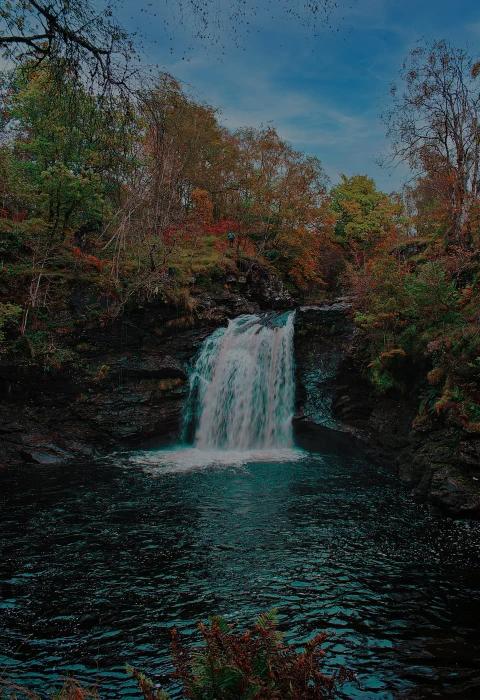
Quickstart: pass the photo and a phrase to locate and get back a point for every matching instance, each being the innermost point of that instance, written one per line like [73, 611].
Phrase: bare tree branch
[434, 122]
[89, 45]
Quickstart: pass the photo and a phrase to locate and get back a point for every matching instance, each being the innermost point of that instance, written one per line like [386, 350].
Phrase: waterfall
[242, 386]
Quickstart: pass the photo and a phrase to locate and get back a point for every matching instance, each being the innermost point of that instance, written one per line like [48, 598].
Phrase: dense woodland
[147, 197]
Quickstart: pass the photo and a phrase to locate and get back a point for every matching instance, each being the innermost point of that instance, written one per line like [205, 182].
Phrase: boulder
[454, 492]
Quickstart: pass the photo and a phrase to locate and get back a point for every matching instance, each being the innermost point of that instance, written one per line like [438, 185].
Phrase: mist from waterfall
[242, 386]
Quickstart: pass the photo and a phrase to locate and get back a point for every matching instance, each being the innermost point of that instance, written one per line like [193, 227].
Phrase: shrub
[256, 664]
[71, 690]
[9, 315]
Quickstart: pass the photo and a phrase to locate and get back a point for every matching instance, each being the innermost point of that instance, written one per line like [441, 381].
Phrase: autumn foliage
[255, 664]
[157, 202]
[416, 290]
[229, 664]
[145, 204]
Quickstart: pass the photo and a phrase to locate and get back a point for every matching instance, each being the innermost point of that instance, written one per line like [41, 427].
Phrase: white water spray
[242, 387]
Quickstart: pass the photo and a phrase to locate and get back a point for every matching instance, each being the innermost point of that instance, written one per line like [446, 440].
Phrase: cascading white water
[242, 387]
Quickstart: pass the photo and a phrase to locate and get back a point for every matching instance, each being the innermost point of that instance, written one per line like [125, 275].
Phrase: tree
[251, 182]
[63, 166]
[72, 35]
[84, 37]
[63, 146]
[181, 149]
[278, 190]
[365, 217]
[434, 126]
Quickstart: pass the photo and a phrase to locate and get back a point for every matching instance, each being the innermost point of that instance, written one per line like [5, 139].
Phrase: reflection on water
[100, 560]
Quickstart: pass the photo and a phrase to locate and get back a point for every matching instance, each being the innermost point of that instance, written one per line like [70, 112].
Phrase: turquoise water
[99, 561]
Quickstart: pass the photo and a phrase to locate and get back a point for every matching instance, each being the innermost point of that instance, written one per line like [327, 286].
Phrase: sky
[324, 86]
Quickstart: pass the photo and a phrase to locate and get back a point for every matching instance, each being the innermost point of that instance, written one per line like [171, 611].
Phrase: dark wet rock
[131, 381]
[49, 454]
[313, 436]
[468, 452]
[322, 336]
[107, 410]
[261, 285]
[50, 447]
[454, 492]
[444, 469]
[11, 427]
[439, 463]
[154, 365]
[225, 304]
[134, 411]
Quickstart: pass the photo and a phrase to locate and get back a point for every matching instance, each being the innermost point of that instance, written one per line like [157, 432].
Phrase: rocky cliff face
[337, 407]
[322, 337]
[122, 396]
[439, 463]
[131, 382]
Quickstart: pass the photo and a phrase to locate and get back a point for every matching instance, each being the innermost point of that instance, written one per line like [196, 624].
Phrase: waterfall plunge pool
[101, 559]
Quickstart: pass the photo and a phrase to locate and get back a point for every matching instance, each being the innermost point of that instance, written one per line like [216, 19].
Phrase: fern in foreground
[255, 664]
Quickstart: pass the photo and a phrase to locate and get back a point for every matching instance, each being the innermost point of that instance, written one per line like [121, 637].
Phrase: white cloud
[344, 140]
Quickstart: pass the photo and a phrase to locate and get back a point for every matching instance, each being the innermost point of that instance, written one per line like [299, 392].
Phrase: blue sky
[324, 89]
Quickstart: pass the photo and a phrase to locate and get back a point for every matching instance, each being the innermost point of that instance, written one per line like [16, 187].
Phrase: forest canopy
[149, 198]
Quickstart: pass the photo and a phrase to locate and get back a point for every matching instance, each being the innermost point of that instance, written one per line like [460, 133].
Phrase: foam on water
[184, 458]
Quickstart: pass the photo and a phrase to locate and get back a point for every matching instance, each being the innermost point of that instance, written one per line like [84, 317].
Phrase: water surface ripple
[100, 560]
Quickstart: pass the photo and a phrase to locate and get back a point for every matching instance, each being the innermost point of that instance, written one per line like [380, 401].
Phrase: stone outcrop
[130, 382]
[439, 463]
[322, 336]
[338, 408]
